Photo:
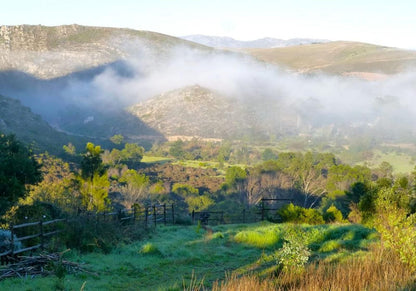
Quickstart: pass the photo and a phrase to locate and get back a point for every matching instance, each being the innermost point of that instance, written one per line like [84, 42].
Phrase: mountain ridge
[266, 42]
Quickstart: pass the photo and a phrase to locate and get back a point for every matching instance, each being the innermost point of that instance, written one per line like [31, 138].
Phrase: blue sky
[391, 23]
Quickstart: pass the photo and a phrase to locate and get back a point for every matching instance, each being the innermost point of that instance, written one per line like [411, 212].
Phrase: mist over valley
[97, 82]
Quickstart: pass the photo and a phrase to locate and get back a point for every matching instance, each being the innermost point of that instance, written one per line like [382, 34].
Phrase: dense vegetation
[220, 176]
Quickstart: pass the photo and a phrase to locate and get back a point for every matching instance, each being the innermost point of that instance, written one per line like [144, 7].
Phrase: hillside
[267, 42]
[195, 111]
[339, 57]
[30, 128]
[50, 52]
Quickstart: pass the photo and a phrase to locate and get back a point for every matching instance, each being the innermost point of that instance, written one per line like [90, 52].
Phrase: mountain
[62, 73]
[49, 52]
[228, 42]
[346, 58]
[31, 129]
[195, 111]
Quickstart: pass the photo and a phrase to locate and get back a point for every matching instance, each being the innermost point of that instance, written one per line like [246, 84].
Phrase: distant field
[176, 254]
[155, 160]
[402, 163]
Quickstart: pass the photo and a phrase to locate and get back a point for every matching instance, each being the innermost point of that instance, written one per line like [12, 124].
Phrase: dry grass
[380, 270]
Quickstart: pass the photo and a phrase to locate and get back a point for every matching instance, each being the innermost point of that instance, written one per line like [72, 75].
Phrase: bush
[294, 254]
[149, 248]
[332, 214]
[5, 241]
[297, 214]
[88, 234]
[396, 225]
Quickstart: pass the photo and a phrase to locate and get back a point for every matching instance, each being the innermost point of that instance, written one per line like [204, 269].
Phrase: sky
[383, 22]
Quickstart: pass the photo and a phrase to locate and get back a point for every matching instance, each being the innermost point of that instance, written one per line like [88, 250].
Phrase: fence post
[173, 214]
[42, 243]
[11, 240]
[164, 213]
[193, 216]
[222, 217]
[244, 215]
[262, 209]
[154, 214]
[146, 215]
[134, 214]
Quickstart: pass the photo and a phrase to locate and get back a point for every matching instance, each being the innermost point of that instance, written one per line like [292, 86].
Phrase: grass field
[155, 160]
[176, 255]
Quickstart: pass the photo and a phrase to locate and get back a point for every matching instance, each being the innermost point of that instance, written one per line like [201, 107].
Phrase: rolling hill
[195, 111]
[340, 57]
[96, 82]
[267, 42]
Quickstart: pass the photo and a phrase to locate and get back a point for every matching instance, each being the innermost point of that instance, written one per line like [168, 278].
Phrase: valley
[97, 122]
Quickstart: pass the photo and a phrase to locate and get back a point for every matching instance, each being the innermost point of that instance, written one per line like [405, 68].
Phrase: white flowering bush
[294, 253]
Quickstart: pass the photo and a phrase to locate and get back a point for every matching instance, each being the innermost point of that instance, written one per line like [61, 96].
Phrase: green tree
[117, 139]
[57, 187]
[135, 188]
[94, 192]
[176, 149]
[268, 155]
[18, 168]
[132, 155]
[94, 184]
[91, 162]
[396, 224]
[184, 190]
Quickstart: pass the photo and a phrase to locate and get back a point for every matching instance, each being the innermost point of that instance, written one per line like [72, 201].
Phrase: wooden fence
[40, 232]
[35, 235]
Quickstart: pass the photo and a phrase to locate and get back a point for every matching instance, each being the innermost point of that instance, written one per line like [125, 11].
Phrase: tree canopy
[18, 168]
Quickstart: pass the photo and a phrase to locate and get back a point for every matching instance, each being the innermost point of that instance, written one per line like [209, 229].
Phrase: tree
[268, 155]
[236, 178]
[94, 184]
[135, 187]
[91, 162]
[131, 155]
[57, 187]
[117, 139]
[176, 150]
[18, 168]
[396, 224]
[94, 192]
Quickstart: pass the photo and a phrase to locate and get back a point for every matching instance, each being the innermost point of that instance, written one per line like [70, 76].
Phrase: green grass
[155, 160]
[176, 254]
[401, 162]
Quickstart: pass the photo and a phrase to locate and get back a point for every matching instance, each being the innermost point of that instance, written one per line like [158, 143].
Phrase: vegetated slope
[196, 111]
[339, 57]
[267, 42]
[48, 52]
[31, 128]
[55, 70]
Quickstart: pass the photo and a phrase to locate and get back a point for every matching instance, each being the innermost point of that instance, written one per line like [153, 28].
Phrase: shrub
[149, 248]
[396, 225]
[297, 214]
[332, 214]
[294, 254]
[5, 241]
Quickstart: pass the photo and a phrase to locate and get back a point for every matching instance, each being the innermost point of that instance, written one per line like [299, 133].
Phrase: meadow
[219, 257]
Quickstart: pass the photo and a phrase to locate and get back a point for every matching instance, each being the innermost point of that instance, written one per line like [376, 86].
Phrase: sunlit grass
[155, 160]
[173, 255]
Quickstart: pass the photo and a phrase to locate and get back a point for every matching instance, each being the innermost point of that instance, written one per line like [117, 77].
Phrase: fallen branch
[42, 265]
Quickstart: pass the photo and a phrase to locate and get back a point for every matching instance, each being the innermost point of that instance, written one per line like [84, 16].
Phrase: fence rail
[147, 216]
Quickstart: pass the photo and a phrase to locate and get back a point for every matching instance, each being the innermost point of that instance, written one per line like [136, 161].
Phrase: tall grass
[379, 270]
